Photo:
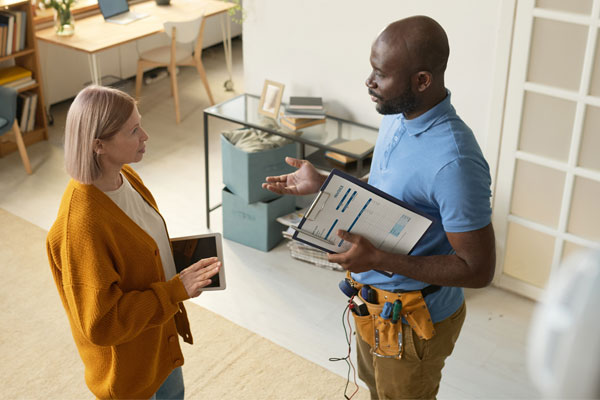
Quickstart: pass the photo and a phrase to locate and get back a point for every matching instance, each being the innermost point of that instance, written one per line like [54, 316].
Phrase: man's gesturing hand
[361, 257]
[305, 180]
[198, 275]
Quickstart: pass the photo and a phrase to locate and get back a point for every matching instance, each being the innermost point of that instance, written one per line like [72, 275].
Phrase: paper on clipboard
[346, 203]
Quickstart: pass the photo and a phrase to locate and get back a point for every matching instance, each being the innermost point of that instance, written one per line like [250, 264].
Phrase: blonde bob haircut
[96, 113]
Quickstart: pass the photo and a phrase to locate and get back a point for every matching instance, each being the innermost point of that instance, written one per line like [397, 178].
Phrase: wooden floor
[292, 303]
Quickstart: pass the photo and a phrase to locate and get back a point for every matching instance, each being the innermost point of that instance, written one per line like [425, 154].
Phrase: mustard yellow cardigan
[123, 315]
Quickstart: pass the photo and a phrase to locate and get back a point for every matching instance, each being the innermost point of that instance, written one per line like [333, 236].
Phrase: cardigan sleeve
[104, 313]
[109, 316]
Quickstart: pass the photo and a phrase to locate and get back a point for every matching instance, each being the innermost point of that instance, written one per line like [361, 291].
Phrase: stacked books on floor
[302, 112]
[301, 251]
[16, 77]
[12, 31]
[26, 109]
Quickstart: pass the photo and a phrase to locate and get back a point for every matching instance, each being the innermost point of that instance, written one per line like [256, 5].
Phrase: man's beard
[405, 103]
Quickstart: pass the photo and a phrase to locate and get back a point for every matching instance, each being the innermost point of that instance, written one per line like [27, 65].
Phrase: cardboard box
[244, 173]
[255, 224]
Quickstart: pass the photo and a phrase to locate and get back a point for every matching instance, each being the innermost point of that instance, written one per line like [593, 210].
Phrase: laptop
[117, 11]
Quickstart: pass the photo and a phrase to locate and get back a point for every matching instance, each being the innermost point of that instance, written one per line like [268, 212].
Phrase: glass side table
[243, 110]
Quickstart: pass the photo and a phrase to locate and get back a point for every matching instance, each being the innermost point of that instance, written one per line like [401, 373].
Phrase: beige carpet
[39, 359]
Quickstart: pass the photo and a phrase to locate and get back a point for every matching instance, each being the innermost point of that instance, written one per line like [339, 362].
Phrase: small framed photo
[270, 100]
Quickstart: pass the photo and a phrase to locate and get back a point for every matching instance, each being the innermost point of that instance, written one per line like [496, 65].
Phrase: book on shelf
[21, 83]
[296, 120]
[310, 114]
[305, 123]
[32, 110]
[26, 109]
[13, 26]
[302, 103]
[358, 146]
[23, 101]
[8, 18]
[3, 30]
[10, 74]
[342, 159]
[20, 30]
[17, 38]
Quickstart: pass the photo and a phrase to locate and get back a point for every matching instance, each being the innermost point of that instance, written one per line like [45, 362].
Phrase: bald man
[428, 157]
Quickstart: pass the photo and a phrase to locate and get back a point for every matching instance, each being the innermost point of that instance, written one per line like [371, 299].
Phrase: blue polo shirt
[432, 162]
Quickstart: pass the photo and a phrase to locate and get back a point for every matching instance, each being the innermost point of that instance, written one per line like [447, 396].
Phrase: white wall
[322, 47]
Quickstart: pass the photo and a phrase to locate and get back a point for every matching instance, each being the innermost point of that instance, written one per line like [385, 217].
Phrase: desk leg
[226, 31]
[206, 185]
[94, 69]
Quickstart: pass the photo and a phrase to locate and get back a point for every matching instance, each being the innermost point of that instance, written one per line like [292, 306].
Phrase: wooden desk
[93, 34]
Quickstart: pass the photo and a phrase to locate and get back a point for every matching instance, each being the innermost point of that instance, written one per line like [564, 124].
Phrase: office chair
[181, 33]
[8, 122]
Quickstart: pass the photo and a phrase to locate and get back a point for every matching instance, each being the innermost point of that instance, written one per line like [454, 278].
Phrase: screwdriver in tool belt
[387, 310]
[364, 292]
[396, 311]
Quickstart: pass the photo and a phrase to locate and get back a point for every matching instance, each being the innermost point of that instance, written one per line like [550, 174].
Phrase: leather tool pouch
[385, 337]
[416, 313]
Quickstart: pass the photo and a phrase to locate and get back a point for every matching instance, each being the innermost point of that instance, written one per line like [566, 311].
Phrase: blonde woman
[110, 255]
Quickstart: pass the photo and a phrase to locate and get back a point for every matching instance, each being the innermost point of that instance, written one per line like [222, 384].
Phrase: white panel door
[547, 194]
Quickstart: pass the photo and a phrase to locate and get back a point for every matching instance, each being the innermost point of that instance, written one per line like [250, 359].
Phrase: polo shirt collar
[424, 121]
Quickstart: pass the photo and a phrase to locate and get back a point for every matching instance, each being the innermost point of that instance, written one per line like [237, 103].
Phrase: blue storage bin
[255, 224]
[244, 173]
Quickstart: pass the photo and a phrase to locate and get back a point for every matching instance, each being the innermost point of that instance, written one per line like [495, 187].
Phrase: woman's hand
[305, 180]
[198, 275]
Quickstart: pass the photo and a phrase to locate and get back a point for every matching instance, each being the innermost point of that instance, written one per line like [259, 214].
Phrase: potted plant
[63, 17]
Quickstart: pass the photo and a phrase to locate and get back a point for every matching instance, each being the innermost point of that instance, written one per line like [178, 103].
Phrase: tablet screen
[188, 251]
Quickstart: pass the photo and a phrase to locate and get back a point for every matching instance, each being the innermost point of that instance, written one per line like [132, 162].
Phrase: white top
[136, 208]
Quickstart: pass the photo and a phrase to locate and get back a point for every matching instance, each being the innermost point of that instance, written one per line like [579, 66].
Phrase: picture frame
[270, 99]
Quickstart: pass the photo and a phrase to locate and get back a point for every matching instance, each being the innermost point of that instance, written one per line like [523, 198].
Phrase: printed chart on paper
[348, 206]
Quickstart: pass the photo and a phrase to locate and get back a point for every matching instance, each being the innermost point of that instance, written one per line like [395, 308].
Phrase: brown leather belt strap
[426, 291]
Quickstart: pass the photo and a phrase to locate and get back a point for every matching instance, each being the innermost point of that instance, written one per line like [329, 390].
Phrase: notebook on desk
[117, 11]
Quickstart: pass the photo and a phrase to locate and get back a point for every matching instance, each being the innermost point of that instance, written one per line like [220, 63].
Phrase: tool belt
[385, 335]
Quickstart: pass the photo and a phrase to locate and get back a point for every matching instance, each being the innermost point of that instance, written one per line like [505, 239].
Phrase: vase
[64, 22]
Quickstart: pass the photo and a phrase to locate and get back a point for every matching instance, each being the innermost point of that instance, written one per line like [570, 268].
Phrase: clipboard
[347, 203]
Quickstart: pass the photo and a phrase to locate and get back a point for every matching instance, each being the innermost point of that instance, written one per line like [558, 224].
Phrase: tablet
[187, 250]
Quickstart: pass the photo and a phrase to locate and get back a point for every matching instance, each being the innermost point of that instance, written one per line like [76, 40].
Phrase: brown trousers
[418, 373]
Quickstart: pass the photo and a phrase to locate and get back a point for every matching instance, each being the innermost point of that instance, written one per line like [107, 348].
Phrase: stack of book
[358, 146]
[12, 31]
[16, 77]
[302, 112]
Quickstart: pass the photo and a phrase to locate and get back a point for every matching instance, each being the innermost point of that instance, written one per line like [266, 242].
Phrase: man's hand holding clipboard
[350, 219]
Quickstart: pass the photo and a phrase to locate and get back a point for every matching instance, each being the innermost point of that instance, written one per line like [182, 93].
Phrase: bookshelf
[29, 59]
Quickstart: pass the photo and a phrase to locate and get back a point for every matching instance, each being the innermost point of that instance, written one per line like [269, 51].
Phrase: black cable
[347, 358]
